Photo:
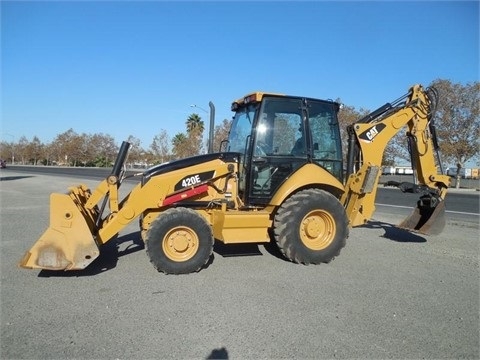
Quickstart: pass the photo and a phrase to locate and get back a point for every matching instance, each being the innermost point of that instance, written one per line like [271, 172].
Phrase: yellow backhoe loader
[281, 178]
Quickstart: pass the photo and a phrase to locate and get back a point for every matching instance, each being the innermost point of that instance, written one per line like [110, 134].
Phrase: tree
[220, 133]
[160, 147]
[189, 144]
[136, 154]
[193, 123]
[65, 147]
[34, 150]
[195, 128]
[7, 151]
[102, 150]
[48, 154]
[82, 152]
[22, 149]
[180, 146]
[458, 121]
[347, 115]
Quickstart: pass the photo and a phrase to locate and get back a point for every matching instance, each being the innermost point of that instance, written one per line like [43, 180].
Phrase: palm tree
[195, 124]
[180, 146]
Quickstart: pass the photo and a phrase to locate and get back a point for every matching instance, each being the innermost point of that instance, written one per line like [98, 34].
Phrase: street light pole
[198, 107]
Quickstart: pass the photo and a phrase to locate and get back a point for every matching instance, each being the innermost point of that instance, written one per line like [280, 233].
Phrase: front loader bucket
[68, 243]
[427, 218]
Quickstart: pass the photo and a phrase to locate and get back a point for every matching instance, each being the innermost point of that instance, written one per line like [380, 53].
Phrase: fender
[309, 175]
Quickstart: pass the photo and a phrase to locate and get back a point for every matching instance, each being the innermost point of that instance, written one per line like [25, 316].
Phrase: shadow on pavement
[9, 178]
[228, 250]
[221, 354]
[395, 233]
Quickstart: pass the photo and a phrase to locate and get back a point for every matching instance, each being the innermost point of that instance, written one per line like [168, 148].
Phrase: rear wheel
[311, 227]
[179, 241]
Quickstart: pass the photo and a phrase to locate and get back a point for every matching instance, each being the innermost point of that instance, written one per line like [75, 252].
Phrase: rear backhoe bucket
[427, 218]
[68, 243]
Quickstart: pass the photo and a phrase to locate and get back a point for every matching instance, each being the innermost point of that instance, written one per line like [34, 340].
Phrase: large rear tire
[311, 227]
[179, 241]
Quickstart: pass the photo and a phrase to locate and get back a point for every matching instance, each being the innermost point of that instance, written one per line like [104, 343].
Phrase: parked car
[3, 164]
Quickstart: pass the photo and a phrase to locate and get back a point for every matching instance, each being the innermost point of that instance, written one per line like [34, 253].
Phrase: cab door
[325, 134]
[240, 141]
[280, 146]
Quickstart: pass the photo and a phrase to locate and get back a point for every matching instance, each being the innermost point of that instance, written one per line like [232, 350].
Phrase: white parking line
[411, 207]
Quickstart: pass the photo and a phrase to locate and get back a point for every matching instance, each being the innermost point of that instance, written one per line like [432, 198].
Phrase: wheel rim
[317, 230]
[180, 244]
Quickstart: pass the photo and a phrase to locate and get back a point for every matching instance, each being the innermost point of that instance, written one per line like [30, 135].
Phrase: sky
[135, 68]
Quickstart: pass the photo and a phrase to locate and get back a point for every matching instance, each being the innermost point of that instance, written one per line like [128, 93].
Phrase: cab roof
[257, 96]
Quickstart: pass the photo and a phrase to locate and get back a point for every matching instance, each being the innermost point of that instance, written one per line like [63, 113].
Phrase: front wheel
[311, 227]
[179, 241]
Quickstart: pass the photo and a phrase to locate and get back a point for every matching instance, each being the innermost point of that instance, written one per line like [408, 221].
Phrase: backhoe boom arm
[368, 139]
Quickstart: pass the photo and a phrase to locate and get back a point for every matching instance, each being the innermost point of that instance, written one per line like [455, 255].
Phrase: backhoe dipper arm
[368, 139]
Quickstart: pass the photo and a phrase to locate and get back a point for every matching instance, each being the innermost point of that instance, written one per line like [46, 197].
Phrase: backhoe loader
[280, 178]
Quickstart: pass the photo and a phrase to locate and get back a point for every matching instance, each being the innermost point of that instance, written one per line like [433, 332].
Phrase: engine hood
[186, 162]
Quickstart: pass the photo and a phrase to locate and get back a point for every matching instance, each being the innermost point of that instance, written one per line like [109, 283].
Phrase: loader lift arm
[71, 241]
[367, 141]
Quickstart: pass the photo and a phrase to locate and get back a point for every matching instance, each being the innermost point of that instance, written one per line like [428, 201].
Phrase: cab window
[327, 150]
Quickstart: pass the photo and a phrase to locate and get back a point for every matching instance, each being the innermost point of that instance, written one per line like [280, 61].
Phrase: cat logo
[370, 134]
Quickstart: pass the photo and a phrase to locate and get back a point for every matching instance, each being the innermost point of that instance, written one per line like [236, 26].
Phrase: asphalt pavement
[390, 295]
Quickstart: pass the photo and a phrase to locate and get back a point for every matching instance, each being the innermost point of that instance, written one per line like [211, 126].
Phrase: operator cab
[278, 134]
